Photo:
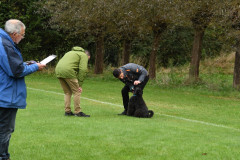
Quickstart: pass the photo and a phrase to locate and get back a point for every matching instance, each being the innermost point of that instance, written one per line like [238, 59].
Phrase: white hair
[14, 26]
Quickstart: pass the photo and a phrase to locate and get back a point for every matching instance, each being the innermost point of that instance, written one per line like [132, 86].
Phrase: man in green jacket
[71, 72]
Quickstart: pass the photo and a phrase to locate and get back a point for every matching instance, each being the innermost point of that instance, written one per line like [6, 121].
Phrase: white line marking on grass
[81, 96]
[201, 122]
[176, 117]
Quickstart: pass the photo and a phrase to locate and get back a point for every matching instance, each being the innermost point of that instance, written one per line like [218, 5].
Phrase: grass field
[189, 124]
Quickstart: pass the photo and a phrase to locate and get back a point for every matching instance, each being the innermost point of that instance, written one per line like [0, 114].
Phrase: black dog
[137, 107]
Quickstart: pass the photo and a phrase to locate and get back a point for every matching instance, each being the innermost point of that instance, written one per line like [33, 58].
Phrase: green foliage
[112, 53]
[175, 47]
[14, 10]
[213, 43]
[51, 31]
[39, 40]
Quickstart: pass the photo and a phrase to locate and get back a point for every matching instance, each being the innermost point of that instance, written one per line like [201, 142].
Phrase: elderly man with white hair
[12, 84]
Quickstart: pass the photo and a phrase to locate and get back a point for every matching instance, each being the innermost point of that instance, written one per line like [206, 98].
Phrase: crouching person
[131, 75]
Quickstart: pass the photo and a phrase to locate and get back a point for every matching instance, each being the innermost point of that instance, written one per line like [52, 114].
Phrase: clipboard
[48, 59]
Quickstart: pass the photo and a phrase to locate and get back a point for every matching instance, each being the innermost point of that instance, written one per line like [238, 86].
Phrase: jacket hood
[4, 34]
[76, 48]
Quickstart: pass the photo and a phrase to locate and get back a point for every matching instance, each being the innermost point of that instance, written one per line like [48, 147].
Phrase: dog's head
[138, 91]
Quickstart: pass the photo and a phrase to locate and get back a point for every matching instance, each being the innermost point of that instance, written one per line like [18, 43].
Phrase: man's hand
[80, 89]
[136, 82]
[41, 66]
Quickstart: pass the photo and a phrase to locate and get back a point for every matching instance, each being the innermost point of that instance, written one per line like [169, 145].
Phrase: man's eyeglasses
[23, 35]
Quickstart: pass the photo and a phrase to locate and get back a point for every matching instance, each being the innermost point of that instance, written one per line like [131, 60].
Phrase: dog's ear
[138, 91]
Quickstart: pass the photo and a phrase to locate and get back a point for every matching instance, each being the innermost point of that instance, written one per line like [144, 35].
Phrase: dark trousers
[7, 125]
[126, 90]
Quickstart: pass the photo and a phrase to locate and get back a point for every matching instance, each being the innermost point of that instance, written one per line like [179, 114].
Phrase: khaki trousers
[71, 86]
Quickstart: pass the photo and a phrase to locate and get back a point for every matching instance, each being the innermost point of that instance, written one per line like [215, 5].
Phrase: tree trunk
[196, 54]
[236, 74]
[153, 56]
[126, 51]
[99, 55]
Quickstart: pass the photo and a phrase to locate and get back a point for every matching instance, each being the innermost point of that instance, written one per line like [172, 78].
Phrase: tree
[200, 21]
[201, 14]
[158, 15]
[235, 24]
[226, 15]
[236, 73]
[88, 18]
[127, 20]
[33, 46]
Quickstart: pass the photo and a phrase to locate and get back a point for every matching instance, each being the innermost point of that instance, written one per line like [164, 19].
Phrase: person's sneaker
[69, 114]
[81, 114]
[123, 113]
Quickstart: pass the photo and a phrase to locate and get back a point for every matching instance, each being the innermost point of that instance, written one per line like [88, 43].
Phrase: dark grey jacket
[133, 72]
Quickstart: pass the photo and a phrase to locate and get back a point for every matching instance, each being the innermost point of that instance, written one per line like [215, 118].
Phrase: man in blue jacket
[12, 84]
[131, 75]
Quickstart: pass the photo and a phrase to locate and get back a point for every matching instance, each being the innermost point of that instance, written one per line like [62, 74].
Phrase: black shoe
[81, 114]
[69, 114]
[123, 113]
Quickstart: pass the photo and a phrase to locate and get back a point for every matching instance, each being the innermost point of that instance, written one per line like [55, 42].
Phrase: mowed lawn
[188, 124]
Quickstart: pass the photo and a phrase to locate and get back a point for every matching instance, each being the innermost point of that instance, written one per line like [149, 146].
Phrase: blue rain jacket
[12, 71]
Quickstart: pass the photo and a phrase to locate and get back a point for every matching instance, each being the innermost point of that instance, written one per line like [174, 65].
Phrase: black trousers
[126, 90]
[7, 125]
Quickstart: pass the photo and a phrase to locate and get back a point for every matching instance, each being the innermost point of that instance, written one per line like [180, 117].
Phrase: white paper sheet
[48, 59]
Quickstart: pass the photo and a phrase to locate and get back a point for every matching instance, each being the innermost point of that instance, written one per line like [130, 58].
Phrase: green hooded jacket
[73, 65]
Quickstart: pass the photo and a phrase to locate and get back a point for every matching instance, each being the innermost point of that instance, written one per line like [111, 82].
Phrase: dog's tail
[150, 113]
